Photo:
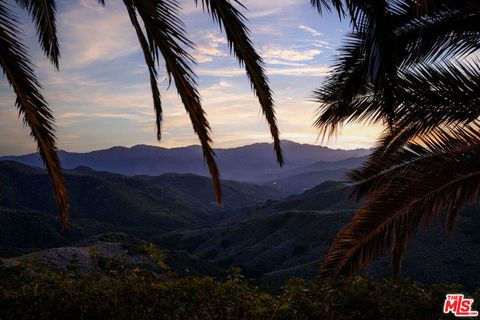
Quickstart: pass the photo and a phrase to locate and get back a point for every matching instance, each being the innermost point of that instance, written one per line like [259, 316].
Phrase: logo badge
[459, 305]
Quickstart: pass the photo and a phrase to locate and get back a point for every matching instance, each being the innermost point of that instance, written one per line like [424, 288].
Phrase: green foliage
[27, 293]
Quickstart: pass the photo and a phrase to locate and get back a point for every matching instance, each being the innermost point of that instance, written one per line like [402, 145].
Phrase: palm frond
[388, 45]
[166, 36]
[149, 60]
[426, 96]
[449, 31]
[32, 106]
[238, 36]
[434, 178]
[442, 94]
[346, 83]
[43, 14]
[367, 62]
[328, 5]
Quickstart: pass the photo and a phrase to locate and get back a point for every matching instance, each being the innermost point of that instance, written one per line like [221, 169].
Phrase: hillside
[288, 238]
[271, 239]
[143, 205]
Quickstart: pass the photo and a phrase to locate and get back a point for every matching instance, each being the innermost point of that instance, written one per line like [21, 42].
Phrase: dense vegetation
[139, 294]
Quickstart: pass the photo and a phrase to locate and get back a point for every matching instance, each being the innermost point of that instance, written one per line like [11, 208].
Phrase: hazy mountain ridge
[255, 163]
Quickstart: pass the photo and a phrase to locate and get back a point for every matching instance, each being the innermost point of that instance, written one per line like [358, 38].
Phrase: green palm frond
[43, 14]
[32, 106]
[238, 36]
[434, 178]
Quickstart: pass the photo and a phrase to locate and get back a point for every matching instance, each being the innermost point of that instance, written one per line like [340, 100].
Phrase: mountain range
[305, 165]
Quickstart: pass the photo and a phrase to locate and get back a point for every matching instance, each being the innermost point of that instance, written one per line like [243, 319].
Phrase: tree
[411, 66]
[160, 33]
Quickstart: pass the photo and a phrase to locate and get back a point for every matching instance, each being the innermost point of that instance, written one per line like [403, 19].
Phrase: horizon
[101, 95]
[186, 146]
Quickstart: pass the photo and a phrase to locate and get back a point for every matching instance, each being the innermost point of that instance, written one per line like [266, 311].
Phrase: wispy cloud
[310, 30]
[101, 96]
[209, 47]
[276, 53]
[306, 71]
[90, 33]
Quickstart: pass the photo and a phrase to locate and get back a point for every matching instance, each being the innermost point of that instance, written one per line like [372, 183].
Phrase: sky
[101, 95]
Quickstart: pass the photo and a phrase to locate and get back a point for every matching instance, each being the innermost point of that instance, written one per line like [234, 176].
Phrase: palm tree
[409, 65]
[160, 33]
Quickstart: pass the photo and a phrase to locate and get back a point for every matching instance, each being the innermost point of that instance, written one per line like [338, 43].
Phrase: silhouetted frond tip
[165, 35]
[43, 14]
[328, 5]
[238, 36]
[32, 106]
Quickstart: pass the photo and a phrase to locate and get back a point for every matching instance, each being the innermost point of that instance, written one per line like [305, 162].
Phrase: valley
[271, 235]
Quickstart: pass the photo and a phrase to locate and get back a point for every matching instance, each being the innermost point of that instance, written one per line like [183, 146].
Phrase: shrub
[32, 292]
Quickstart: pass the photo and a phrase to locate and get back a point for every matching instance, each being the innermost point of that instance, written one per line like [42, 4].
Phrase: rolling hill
[288, 238]
[143, 204]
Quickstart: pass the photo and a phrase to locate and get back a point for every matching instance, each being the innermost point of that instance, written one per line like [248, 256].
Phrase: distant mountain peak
[251, 163]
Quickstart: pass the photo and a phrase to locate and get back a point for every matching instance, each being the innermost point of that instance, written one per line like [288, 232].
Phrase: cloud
[276, 53]
[267, 29]
[209, 47]
[310, 30]
[125, 116]
[306, 71]
[91, 34]
[101, 96]
[267, 8]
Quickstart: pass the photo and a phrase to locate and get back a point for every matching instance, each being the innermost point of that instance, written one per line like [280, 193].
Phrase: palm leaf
[450, 98]
[232, 20]
[43, 14]
[449, 31]
[32, 106]
[166, 36]
[371, 81]
[368, 61]
[328, 5]
[434, 178]
[345, 84]
[149, 60]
